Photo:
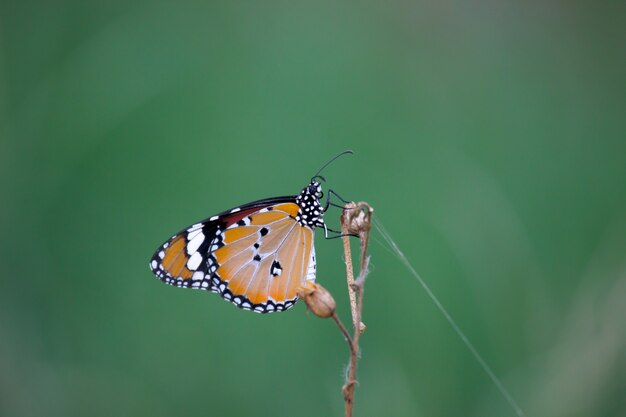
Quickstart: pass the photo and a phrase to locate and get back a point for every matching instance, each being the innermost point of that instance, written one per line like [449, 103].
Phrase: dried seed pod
[317, 299]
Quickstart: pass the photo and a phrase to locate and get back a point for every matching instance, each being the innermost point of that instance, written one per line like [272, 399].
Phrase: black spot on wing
[276, 268]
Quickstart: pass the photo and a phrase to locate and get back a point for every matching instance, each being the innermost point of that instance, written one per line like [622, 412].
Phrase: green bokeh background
[490, 137]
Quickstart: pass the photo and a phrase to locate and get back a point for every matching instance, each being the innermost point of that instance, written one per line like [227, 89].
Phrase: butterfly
[256, 255]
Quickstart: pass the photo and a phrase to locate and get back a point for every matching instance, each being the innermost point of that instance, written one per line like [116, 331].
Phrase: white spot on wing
[310, 272]
[195, 243]
[235, 210]
[194, 261]
[153, 264]
[193, 233]
[194, 227]
[212, 219]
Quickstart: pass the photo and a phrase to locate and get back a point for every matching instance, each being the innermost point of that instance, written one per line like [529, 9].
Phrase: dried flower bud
[317, 299]
[356, 217]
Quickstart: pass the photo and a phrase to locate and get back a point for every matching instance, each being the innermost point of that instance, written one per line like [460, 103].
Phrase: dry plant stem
[344, 331]
[355, 219]
[349, 271]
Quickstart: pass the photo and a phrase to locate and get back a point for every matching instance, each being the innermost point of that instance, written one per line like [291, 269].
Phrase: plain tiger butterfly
[256, 255]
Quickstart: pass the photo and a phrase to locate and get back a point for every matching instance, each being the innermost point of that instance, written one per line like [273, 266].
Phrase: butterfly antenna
[348, 151]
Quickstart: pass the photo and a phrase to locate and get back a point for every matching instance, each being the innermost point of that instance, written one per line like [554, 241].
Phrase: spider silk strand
[397, 252]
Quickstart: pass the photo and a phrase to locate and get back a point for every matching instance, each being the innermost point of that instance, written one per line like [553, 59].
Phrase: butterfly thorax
[311, 211]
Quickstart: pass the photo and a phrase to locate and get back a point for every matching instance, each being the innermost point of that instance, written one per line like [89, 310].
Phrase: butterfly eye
[316, 190]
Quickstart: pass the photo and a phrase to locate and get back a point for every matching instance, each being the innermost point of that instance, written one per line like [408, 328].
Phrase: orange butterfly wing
[255, 257]
[266, 260]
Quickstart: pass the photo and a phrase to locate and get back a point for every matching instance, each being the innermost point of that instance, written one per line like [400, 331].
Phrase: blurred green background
[490, 137]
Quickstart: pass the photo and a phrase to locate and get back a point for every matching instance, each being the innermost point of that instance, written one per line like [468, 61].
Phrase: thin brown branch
[344, 331]
[355, 219]
[349, 271]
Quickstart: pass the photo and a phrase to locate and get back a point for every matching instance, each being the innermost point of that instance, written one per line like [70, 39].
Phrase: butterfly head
[311, 211]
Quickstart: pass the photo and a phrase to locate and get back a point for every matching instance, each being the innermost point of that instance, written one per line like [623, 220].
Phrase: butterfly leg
[337, 233]
[332, 192]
